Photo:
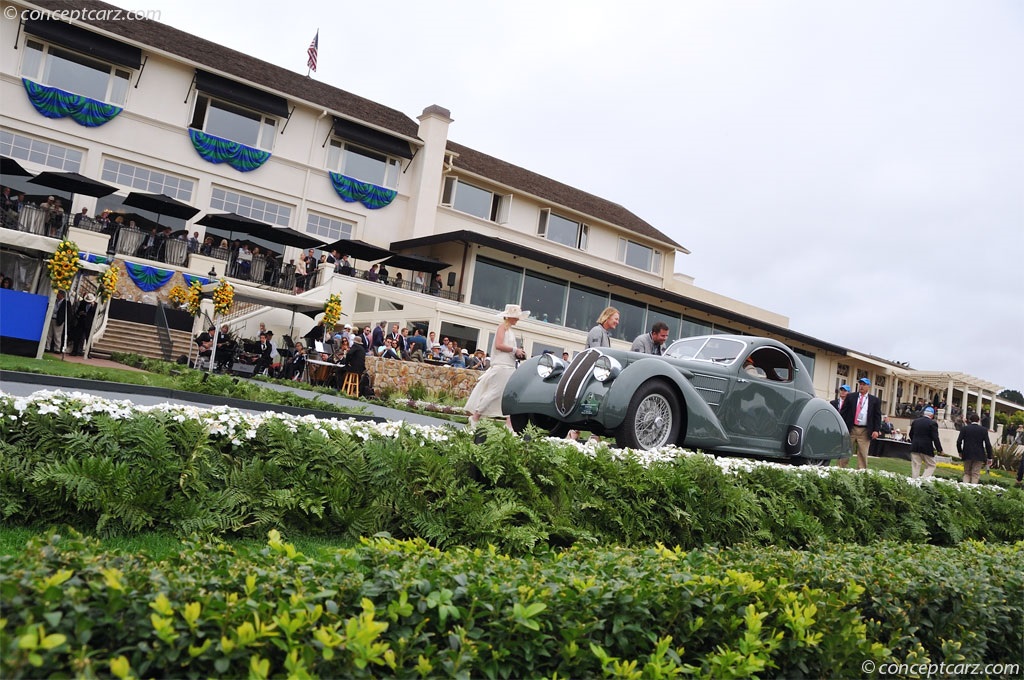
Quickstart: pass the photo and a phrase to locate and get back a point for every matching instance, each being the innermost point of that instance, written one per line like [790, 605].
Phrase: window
[248, 206]
[144, 179]
[640, 256]
[363, 164]
[584, 306]
[473, 200]
[38, 151]
[73, 72]
[632, 319]
[233, 122]
[328, 228]
[562, 230]
[545, 297]
[495, 284]
[692, 327]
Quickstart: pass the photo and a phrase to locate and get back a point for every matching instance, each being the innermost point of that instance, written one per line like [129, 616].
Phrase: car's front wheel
[554, 428]
[652, 419]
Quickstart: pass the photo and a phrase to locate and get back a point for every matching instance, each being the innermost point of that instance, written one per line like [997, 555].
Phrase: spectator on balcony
[436, 285]
[300, 274]
[371, 274]
[417, 283]
[53, 213]
[244, 262]
[104, 221]
[398, 282]
[207, 247]
[383, 274]
[148, 247]
[193, 242]
[80, 216]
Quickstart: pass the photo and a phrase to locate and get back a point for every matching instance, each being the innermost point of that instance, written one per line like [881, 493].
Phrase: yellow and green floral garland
[108, 283]
[332, 311]
[223, 298]
[63, 265]
[190, 298]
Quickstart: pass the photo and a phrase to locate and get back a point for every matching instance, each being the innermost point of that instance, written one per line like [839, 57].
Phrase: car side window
[774, 364]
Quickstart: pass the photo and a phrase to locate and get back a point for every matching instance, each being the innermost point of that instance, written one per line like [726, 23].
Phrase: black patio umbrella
[419, 263]
[360, 250]
[73, 183]
[232, 223]
[286, 236]
[12, 168]
[161, 205]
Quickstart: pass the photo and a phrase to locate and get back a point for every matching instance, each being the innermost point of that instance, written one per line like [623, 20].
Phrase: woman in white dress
[486, 397]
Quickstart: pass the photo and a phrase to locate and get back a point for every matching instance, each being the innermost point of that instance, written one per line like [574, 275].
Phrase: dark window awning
[86, 42]
[370, 138]
[243, 95]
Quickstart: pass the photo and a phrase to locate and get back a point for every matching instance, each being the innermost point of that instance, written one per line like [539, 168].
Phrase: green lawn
[902, 467]
[52, 365]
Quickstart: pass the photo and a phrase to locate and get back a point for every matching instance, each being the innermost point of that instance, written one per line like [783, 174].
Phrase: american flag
[313, 46]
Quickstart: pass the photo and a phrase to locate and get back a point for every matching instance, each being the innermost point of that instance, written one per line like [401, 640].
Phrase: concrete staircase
[138, 338]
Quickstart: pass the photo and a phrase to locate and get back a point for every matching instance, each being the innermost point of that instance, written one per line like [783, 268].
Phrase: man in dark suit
[863, 417]
[378, 336]
[924, 442]
[975, 448]
[844, 392]
[84, 315]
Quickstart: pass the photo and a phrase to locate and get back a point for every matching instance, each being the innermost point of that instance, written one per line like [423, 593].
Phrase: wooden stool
[351, 384]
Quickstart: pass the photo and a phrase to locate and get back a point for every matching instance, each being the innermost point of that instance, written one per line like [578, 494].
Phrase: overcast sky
[855, 166]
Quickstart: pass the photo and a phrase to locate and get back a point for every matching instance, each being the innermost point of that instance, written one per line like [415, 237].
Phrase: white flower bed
[238, 427]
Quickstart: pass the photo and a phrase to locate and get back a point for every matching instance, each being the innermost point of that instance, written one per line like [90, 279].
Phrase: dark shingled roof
[148, 33]
[548, 189]
[152, 34]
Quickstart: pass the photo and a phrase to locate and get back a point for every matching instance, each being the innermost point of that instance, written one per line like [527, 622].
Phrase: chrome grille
[570, 385]
[709, 387]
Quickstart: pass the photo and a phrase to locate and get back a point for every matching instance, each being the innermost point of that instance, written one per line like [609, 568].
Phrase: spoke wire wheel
[653, 421]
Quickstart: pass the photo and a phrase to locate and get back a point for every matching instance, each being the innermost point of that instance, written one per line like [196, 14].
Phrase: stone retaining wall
[399, 375]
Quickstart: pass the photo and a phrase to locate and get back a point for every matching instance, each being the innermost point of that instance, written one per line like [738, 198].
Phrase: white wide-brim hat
[514, 312]
[90, 298]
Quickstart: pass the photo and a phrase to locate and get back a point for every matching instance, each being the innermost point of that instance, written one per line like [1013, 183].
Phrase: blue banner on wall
[22, 315]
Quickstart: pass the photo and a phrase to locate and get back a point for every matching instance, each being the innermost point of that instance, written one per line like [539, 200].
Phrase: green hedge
[404, 609]
[120, 470]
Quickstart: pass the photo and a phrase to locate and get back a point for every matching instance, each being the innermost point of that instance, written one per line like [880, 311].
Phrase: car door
[756, 409]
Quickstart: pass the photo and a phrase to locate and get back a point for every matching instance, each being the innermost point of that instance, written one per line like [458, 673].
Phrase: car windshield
[718, 350]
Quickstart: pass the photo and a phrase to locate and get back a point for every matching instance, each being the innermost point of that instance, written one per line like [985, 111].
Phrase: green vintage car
[724, 393]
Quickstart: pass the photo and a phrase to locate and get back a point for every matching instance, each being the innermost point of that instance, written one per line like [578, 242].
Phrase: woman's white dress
[486, 396]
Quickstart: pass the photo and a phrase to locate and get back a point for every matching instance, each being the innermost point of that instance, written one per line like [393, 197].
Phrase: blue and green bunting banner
[56, 103]
[217, 150]
[147, 278]
[189, 278]
[370, 195]
[89, 257]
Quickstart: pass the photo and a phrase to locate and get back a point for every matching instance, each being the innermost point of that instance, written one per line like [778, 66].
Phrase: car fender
[526, 393]
[702, 426]
[825, 435]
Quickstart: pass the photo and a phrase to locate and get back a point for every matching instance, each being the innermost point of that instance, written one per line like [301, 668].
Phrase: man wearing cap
[863, 417]
[844, 391]
[924, 442]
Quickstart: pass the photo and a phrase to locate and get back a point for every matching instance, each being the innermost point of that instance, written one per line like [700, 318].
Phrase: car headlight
[549, 365]
[606, 368]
